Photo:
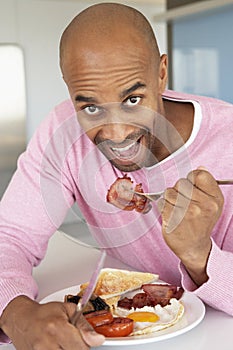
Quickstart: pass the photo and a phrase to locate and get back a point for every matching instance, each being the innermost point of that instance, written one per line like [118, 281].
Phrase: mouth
[129, 155]
[128, 151]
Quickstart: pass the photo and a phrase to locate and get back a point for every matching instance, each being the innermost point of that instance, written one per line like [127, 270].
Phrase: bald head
[105, 25]
[111, 65]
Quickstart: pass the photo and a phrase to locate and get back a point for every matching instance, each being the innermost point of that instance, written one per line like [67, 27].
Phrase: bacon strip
[162, 293]
[152, 295]
[121, 194]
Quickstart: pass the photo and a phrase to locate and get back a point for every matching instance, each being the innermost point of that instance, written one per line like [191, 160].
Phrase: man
[121, 120]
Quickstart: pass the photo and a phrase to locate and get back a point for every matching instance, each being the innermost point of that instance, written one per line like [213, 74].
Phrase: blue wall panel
[203, 54]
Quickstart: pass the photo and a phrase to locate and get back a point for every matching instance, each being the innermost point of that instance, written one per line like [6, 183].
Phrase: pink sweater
[61, 166]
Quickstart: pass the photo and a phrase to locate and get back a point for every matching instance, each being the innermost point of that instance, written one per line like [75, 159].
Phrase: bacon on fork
[121, 194]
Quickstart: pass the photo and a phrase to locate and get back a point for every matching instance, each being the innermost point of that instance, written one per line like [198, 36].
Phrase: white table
[68, 264]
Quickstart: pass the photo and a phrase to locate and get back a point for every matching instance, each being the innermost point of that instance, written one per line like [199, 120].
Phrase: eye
[132, 101]
[91, 110]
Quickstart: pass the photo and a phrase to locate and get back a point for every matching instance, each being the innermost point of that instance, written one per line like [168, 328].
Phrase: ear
[163, 73]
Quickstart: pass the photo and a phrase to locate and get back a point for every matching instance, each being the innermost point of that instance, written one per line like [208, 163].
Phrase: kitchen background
[195, 34]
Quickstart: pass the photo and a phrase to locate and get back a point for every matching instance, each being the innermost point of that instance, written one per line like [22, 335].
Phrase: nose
[116, 132]
[117, 125]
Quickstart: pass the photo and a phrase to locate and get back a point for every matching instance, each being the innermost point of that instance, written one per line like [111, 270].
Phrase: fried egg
[152, 319]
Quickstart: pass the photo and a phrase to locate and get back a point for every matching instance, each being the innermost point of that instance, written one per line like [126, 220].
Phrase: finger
[72, 337]
[206, 183]
[172, 215]
[179, 195]
[83, 331]
[203, 180]
[88, 334]
[70, 309]
[169, 196]
[201, 167]
[186, 192]
[61, 333]
[160, 204]
[173, 207]
[185, 188]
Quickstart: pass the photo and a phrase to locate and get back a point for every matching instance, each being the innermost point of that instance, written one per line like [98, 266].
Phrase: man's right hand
[31, 325]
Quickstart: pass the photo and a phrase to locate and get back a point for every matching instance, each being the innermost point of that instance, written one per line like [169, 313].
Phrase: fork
[89, 290]
[156, 195]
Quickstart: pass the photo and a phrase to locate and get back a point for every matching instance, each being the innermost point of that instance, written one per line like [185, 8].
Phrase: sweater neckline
[197, 121]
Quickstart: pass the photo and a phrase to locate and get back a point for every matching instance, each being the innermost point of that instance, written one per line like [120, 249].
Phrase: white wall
[36, 25]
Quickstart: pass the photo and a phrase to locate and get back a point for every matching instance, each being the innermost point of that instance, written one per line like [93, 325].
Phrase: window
[12, 109]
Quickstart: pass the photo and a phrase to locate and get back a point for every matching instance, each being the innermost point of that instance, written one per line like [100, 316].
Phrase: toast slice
[112, 283]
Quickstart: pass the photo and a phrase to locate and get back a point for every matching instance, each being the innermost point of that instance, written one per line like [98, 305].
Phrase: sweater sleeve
[32, 208]
[217, 292]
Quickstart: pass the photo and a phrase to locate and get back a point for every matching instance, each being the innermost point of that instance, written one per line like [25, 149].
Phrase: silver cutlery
[156, 195]
[89, 290]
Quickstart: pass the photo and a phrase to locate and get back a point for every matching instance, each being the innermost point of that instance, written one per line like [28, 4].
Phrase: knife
[89, 290]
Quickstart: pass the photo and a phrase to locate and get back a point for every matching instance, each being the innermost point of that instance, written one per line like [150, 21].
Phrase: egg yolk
[143, 316]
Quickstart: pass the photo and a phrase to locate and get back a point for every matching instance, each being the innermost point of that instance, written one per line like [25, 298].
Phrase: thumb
[88, 334]
[90, 337]
[202, 168]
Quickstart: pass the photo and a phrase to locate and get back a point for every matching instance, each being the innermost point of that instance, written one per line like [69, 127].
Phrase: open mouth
[127, 151]
[128, 155]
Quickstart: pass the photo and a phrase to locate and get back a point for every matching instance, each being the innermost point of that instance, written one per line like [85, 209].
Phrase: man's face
[115, 95]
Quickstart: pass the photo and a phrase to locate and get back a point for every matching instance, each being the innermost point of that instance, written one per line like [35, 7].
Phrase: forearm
[15, 274]
[25, 229]
[11, 313]
[217, 291]
[196, 265]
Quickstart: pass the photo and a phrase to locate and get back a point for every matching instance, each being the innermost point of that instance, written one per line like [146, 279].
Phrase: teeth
[122, 149]
[126, 152]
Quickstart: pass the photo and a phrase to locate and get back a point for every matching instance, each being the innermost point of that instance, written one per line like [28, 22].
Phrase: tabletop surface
[68, 264]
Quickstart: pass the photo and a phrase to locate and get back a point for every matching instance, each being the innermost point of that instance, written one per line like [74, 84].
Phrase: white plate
[193, 315]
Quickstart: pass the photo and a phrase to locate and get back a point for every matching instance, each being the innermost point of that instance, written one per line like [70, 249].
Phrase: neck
[173, 135]
[181, 116]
